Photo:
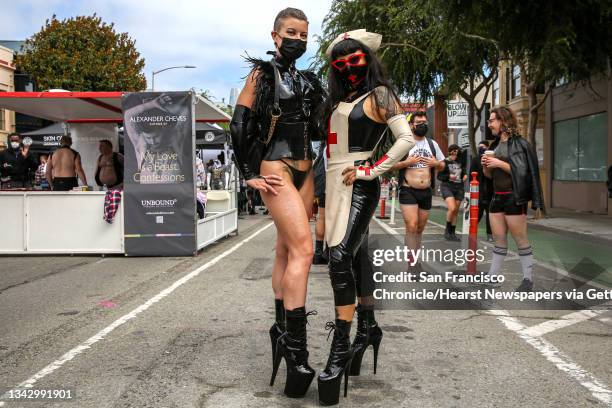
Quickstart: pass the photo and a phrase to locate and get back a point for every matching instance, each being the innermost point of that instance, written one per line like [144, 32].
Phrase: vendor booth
[219, 199]
[45, 140]
[156, 215]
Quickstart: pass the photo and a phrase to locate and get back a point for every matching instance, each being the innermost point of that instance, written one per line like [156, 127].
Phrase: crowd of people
[272, 133]
[365, 134]
[60, 170]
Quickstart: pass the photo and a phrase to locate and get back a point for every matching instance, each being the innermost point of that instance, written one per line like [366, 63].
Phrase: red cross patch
[332, 137]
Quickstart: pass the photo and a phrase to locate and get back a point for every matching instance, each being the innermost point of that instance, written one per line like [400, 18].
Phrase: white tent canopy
[84, 107]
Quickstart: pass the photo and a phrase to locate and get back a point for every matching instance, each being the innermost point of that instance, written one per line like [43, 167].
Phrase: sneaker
[454, 237]
[448, 236]
[525, 286]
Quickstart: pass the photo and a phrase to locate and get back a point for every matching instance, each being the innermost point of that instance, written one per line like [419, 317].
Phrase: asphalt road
[193, 332]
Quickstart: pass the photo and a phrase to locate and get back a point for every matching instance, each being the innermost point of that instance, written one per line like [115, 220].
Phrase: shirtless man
[415, 178]
[109, 171]
[64, 166]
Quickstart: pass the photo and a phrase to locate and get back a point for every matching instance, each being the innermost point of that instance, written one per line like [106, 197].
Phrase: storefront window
[580, 149]
[516, 81]
[496, 92]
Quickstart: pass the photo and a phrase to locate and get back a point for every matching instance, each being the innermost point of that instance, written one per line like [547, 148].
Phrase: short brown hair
[454, 147]
[507, 118]
[417, 113]
[66, 140]
[288, 13]
[107, 142]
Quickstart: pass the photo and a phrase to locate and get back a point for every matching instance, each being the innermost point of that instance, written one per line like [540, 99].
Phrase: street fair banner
[160, 203]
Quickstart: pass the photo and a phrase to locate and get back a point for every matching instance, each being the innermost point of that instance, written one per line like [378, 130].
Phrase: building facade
[7, 84]
[578, 145]
[573, 138]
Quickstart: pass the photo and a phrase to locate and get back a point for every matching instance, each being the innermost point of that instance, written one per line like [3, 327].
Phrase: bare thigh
[423, 217]
[410, 213]
[307, 194]
[499, 228]
[517, 225]
[287, 207]
[450, 204]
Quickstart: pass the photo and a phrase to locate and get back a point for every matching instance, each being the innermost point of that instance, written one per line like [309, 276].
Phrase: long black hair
[374, 77]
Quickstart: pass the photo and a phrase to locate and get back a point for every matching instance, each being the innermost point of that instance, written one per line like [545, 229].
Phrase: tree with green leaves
[82, 54]
[548, 40]
[424, 55]
[454, 46]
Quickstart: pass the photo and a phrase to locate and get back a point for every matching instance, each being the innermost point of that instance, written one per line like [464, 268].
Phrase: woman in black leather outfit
[284, 180]
[363, 106]
[513, 169]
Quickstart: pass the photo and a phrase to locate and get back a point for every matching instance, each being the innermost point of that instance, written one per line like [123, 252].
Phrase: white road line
[547, 349]
[558, 358]
[29, 383]
[564, 321]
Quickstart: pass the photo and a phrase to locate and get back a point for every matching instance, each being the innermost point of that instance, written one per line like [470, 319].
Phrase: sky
[212, 35]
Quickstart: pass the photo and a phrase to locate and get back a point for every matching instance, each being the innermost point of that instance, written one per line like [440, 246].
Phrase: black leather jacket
[525, 172]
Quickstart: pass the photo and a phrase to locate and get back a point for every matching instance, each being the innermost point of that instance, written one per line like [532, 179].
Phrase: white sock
[526, 258]
[499, 253]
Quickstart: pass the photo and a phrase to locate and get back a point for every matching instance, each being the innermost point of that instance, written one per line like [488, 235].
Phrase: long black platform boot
[319, 257]
[338, 364]
[292, 346]
[368, 334]
[278, 328]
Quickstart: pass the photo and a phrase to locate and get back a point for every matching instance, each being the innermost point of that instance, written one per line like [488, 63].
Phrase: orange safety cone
[384, 193]
[473, 235]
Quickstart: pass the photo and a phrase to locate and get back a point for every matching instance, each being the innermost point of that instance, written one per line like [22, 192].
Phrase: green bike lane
[585, 258]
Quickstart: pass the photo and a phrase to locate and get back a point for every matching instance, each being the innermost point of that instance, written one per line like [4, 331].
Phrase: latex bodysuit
[300, 100]
[351, 138]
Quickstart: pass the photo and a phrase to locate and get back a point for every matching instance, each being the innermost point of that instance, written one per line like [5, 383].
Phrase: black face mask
[481, 150]
[420, 129]
[292, 48]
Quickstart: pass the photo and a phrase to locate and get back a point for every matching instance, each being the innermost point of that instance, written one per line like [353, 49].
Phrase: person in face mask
[417, 180]
[363, 111]
[16, 164]
[485, 187]
[281, 106]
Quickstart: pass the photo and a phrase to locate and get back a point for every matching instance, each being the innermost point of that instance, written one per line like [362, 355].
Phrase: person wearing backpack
[453, 178]
[109, 168]
[417, 179]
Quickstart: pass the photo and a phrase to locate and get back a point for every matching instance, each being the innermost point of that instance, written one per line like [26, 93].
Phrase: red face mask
[352, 72]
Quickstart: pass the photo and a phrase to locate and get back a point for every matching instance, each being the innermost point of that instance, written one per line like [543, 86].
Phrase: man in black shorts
[452, 177]
[416, 179]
